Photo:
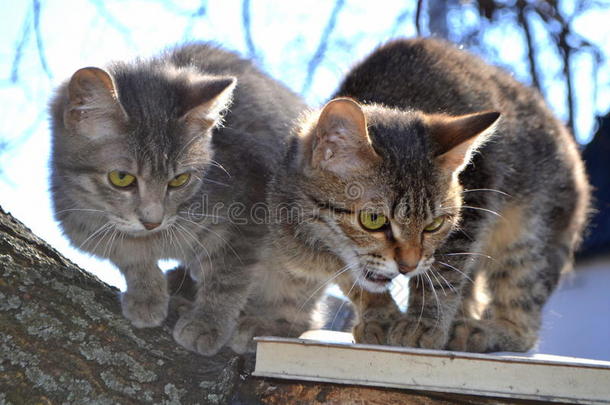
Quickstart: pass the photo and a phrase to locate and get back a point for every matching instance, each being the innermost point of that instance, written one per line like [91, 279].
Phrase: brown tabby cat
[433, 164]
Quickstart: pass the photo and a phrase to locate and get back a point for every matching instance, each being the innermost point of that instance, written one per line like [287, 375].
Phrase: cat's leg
[221, 295]
[375, 312]
[519, 283]
[145, 303]
[527, 258]
[251, 326]
[434, 298]
[282, 306]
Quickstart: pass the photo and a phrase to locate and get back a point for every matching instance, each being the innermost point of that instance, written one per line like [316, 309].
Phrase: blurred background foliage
[560, 47]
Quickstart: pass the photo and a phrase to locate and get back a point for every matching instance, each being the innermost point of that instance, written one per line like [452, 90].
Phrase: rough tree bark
[63, 340]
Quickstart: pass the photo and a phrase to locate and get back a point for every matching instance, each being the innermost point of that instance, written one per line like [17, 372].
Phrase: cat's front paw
[145, 310]
[197, 331]
[409, 331]
[483, 336]
[470, 335]
[374, 326]
[242, 340]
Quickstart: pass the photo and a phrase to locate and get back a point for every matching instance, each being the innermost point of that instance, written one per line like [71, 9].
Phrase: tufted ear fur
[456, 138]
[206, 100]
[93, 107]
[341, 142]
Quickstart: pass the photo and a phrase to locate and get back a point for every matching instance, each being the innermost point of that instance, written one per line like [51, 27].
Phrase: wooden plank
[551, 379]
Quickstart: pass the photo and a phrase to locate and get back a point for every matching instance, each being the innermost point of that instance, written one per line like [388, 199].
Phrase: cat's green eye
[435, 225]
[121, 179]
[179, 180]
[372, 221]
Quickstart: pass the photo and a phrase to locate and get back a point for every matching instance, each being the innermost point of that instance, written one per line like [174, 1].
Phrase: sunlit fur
[513, 215]
[160, 121]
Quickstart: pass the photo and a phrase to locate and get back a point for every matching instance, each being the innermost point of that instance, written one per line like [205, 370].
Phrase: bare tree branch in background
[399, 21]
[566, 52]
[23, 40]
[523, 21]
[193, 16]
[418, 17]
[246, 22]
[566, 41]
[39, 42]
[102, 10]
[317, 57]
[438, 10]
[200, 12]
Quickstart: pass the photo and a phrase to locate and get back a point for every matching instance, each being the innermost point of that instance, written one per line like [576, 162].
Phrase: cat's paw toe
[413, 332]
[145, 311]
[469, 335]
[483, 336]
[374, 326]
[370, 333]
[196, 333]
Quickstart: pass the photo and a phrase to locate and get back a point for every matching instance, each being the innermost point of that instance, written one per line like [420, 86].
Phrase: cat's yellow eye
[372, 221]
[121, 179]
[179, 180]
[435, 225]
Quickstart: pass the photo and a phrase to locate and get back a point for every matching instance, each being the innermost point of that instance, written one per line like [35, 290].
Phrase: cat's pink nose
[405, 268]
[151, 225]
[407, 258]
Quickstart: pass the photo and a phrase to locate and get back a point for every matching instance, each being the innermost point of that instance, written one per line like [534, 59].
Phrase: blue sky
[285, 36]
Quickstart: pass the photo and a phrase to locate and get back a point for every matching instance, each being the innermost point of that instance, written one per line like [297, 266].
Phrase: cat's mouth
[377, 278]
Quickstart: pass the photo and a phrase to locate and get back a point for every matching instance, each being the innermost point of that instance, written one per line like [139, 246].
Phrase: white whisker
[334, 276]
[456, 269]
[476, 208]
[80, 210]
[466, 254]
[226, 243]
[451, 287]
[438, 304]
[487, 189]
[100, 229]
[438, 281]
[215, 163]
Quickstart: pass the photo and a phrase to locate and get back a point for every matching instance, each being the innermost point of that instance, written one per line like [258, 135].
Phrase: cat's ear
[341, 142]
[456, 138]
[207, 99]
[93, 106]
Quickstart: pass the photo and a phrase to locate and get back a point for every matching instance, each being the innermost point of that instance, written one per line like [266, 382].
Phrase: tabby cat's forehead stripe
[330, 206]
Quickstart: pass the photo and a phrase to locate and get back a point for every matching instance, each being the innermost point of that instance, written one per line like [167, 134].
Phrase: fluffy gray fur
[195, 109]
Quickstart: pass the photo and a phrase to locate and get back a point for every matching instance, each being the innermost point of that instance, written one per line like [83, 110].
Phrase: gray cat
[432, 164]
[164, 158]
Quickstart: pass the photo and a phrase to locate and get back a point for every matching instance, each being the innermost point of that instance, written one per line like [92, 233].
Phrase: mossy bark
[63, 340]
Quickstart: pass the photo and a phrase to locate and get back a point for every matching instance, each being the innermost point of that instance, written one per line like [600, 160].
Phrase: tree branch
[523, 21]
[103, 11]
[566, 52]
[64, 340]
[247, 24]
[39, 42]
[418, 17]
[317, 57]
[25, 36]
[400, 20]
